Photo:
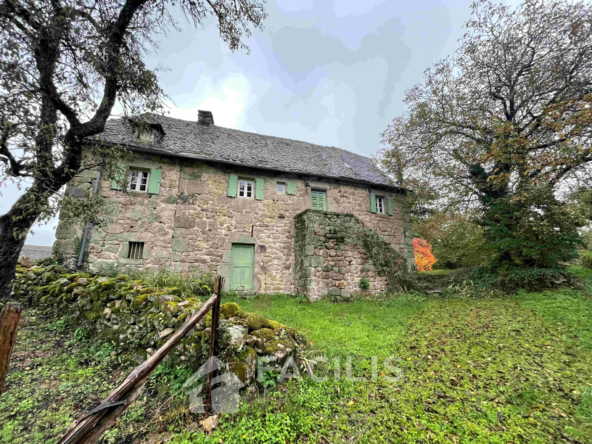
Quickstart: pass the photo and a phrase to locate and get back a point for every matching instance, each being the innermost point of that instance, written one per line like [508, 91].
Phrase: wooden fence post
[9, 321]
[215, 318]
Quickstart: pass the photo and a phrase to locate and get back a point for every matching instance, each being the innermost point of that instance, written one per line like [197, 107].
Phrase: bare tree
[63, 65]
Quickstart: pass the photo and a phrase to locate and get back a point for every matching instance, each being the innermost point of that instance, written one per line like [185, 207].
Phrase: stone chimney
[205, 117]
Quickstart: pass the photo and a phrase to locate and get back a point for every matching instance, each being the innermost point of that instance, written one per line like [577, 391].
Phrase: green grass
[56, 374]
[516, 369]
[437, 272]
[361, 328]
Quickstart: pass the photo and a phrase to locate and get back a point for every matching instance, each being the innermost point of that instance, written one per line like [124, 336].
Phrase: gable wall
[192, 223]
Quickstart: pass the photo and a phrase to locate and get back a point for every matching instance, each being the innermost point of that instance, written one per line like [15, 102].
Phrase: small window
[246, 188]
[136, 250]
[380, 204]
[138, 181]
[143, 135]
[281, 187]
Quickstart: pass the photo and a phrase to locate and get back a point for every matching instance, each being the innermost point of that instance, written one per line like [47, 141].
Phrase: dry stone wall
[192, 223]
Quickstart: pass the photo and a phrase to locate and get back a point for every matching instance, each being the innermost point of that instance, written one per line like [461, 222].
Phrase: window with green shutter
[291, 189]
[259, 188]
[318, 200]
[154, 184]
[372, 203]
[390, 205]
[232, 185]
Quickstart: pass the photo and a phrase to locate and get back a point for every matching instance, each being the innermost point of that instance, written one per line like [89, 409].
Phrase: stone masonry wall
[192, 223]
[335, 251]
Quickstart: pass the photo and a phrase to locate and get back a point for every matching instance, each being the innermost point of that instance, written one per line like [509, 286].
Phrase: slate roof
[216, 143]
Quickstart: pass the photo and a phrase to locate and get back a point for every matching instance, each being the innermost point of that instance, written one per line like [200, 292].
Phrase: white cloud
[227, 100]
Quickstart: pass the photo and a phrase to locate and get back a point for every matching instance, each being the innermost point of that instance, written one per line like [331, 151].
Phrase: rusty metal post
[9, 321]
[215, 318]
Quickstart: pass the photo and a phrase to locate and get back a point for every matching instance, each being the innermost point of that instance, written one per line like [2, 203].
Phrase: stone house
[271, 215]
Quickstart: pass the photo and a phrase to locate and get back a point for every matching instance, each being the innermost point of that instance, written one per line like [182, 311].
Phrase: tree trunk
[14, 227]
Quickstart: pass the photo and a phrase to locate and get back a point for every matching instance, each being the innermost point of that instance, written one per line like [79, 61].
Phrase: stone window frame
[284, 184]
[381, 203]
[246, 181]
[131, 170]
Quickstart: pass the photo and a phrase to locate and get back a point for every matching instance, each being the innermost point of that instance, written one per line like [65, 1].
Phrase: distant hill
[34, 252]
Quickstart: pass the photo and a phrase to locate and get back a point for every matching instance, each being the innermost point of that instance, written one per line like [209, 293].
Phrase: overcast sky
[327, 72]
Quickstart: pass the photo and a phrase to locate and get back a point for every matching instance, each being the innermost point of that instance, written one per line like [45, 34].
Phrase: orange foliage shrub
[424, 259]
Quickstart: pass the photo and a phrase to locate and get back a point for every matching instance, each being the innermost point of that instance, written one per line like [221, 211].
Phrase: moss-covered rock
[265, 334]
[274, 324]
[254, 321]
[229, 310]
[245, 366]
[278, 350]
[140, 301]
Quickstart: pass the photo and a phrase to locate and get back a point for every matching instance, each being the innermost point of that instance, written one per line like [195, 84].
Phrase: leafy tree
[424, 259]
[457, 241]
[63, 65]
[503, 122]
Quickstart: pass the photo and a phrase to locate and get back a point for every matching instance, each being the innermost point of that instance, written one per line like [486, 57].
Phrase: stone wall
[139, 319]
[192, 223]
[335, 251]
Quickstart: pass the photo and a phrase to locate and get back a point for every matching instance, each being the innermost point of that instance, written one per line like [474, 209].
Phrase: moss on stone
[274, 324]
[295, 335]
[244, 366]
[139, 301]
[91, 316]
[229, 310]
[274, 346]
[72, 286]
[265, 334]
[254, 321]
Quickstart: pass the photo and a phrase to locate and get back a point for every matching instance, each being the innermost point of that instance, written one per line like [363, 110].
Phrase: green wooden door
[319, 200]
[242, 265]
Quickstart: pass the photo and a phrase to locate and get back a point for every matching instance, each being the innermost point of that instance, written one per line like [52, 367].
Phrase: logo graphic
[225, 388]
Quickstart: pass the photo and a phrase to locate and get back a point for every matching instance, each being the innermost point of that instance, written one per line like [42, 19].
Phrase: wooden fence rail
[90, 427]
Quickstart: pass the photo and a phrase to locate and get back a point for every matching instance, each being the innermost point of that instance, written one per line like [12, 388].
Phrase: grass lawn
[437, 272]
[511, 370]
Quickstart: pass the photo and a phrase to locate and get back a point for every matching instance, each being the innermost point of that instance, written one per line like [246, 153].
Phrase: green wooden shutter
[232, 185]
[372, 203]
[259, 187]
[291, 188]
[154, 185]
[390, 205]
[119, 179]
